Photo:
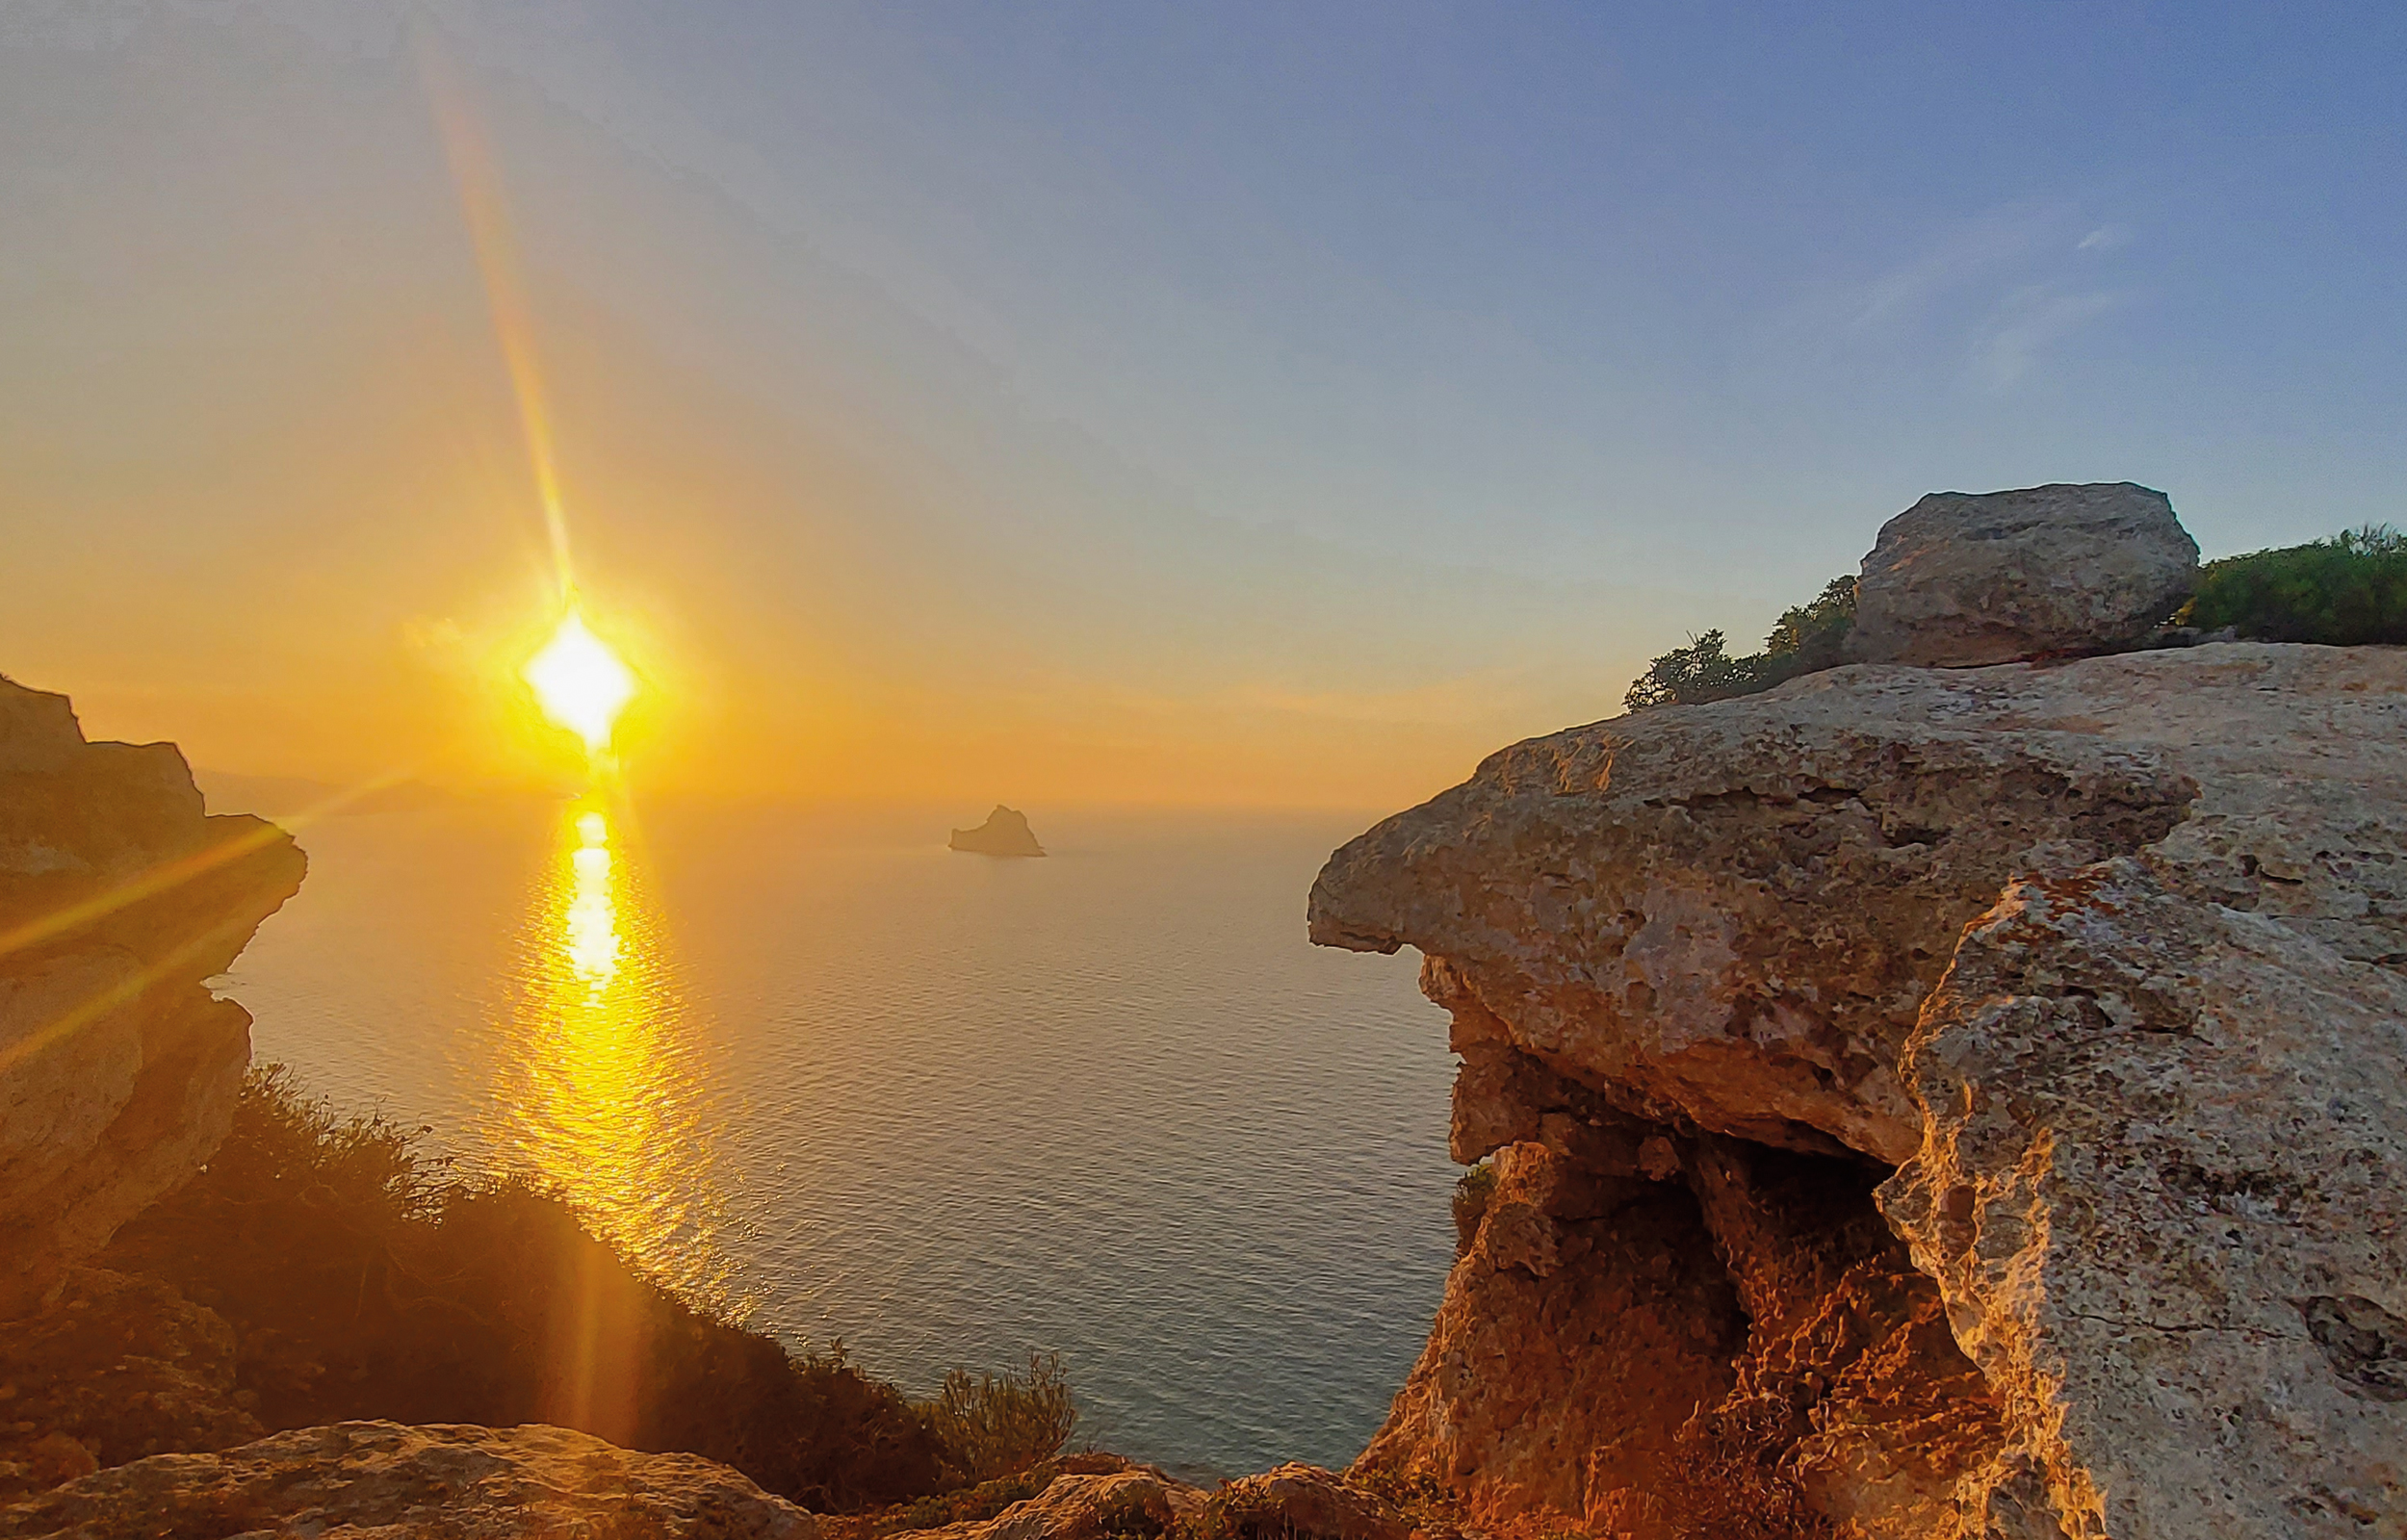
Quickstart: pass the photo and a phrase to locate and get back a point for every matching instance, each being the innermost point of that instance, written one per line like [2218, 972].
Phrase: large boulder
[443, 1482]
[1695, 958]
[118, 898]
[1962, 580]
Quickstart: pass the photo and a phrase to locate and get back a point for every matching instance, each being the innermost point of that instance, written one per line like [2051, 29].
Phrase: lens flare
[580, 681]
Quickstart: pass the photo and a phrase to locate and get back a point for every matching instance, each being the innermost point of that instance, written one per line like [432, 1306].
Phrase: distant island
[1004, 832]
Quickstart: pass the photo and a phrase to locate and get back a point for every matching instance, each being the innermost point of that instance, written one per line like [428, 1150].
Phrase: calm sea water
[947, 1108]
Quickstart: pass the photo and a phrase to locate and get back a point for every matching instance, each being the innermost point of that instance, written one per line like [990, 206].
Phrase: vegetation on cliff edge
[1806, 640]
[2348, 590]
[365, 1280]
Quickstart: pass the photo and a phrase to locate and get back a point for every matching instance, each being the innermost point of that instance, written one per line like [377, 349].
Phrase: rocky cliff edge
[119, 897]
[1926, 1102]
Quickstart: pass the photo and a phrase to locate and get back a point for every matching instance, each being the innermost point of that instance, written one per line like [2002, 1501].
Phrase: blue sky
[1360, 385]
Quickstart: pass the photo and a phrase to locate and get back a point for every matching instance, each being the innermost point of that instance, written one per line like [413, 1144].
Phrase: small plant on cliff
[1470, 1204]
[993, 1424]
[1806, 640]
[2348, 590]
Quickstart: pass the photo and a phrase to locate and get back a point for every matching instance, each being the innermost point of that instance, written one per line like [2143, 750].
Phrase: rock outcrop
[1085, 1505]
[1297, 1502]
[458, 1483]
[1005, 833]
[1712, 981]
[1962, 579]
[2162, 1191]
[119, 897]
[111, 1369]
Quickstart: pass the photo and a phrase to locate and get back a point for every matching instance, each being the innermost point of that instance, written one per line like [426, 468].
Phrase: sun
[580, 681]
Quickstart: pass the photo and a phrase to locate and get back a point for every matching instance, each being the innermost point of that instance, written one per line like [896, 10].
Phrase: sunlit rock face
[2138, 1268]
[455, 1481]
[118, 896]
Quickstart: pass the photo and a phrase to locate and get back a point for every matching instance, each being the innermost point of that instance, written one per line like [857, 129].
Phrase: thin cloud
[1971, 254]
[2029, 322]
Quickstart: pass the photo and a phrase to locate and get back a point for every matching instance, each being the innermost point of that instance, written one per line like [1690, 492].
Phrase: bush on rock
[2348, 590]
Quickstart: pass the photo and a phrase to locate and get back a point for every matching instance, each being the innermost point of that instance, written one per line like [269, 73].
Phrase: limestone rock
[1088, 1507]
[1305, 1503]
[1660, 1335]
[2163, 1190]
[118, 1367]
[1962, 580]
[1005, 833]
[1693, 960]
[1731, 913]
[117, 898]
[443, 1482]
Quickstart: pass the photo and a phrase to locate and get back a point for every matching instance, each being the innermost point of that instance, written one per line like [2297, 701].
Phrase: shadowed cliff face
[118, 896]
[1709, 979]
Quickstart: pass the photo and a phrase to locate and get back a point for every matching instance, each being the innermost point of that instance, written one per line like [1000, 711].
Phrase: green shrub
[990, 1425]
[2348, 590]
[1806, 640]
[1470, 1204]
[363, 1280]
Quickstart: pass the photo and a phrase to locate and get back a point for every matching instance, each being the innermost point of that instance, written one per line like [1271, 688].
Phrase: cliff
[118, 898]
[1926, 1102]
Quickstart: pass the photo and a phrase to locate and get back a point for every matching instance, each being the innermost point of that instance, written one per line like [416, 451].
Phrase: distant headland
[1005, 833]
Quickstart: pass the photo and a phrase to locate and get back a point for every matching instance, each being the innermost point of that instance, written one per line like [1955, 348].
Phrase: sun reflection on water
[600, 1088]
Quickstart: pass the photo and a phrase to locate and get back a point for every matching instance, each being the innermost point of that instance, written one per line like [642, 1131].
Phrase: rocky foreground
[1928, 1102]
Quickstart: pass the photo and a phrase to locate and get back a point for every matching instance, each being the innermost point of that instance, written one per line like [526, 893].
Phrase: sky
[1264, 404]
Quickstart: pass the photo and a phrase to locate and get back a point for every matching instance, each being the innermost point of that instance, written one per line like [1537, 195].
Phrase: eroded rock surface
[1297, 1502]
[111, 1369]
[1731, 913]
[2162, 1192]
[443, 1482]
[1962, 580]
[1090, 1505]
[1694, 959]
[118, 896]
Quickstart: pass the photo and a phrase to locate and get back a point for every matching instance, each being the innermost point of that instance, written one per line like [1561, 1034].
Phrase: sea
[946, 1110]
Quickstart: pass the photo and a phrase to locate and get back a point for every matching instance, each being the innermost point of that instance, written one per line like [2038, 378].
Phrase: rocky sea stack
[1930, 1102]
[1005, 833]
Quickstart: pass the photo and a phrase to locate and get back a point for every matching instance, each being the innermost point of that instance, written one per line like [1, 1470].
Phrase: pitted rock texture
[118, 1367]
[1962, 580]
[2162, 1191]
[1295, 1501]
[1658, 1333]
[1091, 1505]
[1731, 913]
[1697, 953]
[397, 1482]
[118, 896]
